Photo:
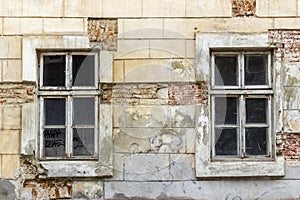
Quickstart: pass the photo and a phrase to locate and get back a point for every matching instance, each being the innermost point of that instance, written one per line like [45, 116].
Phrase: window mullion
[241, 70]
[242, 126]
[69, 112]
[68, 71]
[42, 122]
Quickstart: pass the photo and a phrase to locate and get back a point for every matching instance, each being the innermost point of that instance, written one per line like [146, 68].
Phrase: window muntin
[241, 109]
[68, 105]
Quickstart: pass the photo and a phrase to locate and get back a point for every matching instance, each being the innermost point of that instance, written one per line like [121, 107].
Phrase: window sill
[76, 169]
[240, 169]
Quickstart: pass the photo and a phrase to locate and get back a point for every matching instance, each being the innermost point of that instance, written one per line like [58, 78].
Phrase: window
[236, 129]
[241, 99]
[68, 95]
[77, 140]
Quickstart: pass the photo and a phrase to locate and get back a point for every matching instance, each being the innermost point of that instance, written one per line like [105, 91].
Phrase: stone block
[179, 28]
[10, 165]
[120, 28]
[11, 47]
[1, 26]
[190, 48]
[64, 25]
[7, 190]
[79, 8]
[118, 71]
[166, 8]
[1, 64]
[133, 140]
[286, 23]
[182, 167]
[167, 48]
[128, 49]
[11, 8]
[118, 116]
[10, 142]
[183, 116]
[147, 116]
[12, 71]
[87, 190]
[147, 167]
[122, 8]
[143, 28]
[118, 168]
[291, 98]
[208, 8]
[292, 75]
[22, 26]
[190, 137]
[43, 8]
[106, 69]
[276, 8]
[291, 121]
[11, 118]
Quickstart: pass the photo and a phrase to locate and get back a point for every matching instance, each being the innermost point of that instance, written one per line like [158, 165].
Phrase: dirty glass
[226, 70]
[226, 141]
[83, 141]
[256, 68]
[83, 70]
[55, 111]
[54, 71]
[226, 110]
[84, 111]
[256, 141]
[54, 142]
[256, 110]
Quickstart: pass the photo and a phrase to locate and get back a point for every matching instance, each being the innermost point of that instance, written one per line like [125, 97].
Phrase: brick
[10, 142]
[12, 71]
[286, 23]
[10, 166]
[10, 47]
[11, 8]
[167, 48]
[208, 8]
[22, 26]
[122, 8]
[118, 71]
[166, 8]
[12, 118]
[43, 8]
[241, 8]
[128, 49]
[147, 70]
[64, 25]
[143, 28]
[90, 189]
[291, 120]
[79, 8]
[276, 8]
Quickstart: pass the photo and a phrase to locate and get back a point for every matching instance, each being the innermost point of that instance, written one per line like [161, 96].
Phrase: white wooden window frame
[206, 166]
[102, 166]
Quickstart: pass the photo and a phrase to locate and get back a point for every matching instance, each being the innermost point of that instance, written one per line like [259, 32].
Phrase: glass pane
[55, 111]
[83, 111]
[226, 110]
[83, 70]
[54, 70]
[256, 110]
[83, 142]
[226, 141]
[256, 141]
[256, 69]
[226, 70]
[54, 142]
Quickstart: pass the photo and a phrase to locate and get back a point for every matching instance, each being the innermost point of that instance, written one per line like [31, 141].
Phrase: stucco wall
[155, 94]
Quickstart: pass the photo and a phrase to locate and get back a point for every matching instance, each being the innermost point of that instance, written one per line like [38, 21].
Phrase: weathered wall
[154, 94]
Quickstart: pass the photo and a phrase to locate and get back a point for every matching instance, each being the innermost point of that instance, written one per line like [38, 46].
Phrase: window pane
[226, 110]
[256, 141]
[226, 70]
[226, 141]
[83, 141]
[54, 142]
[55, 111]
[54, 70]
[84, 111]
[256, 110]
[83, 70]
[256, 69]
